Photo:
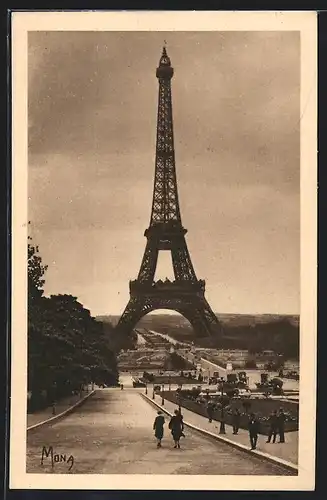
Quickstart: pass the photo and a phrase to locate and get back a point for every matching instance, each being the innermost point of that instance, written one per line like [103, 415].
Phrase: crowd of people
[276, 422]
[176, 426]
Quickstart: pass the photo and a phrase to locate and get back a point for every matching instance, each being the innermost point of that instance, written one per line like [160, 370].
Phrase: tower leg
[135, 309]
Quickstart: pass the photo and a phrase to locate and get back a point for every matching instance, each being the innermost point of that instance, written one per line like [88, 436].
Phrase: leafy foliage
[36, 271]
[281, 336]
[67, 347]
[118, 342]
[178, 363]
[148, 376]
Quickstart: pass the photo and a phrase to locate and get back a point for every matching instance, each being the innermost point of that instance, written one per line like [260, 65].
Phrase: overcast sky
[92, 129]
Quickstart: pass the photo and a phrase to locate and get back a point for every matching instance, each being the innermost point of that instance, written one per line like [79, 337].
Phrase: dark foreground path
[112, 434]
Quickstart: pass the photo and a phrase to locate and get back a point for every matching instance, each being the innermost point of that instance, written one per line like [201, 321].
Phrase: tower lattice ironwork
[186, 294]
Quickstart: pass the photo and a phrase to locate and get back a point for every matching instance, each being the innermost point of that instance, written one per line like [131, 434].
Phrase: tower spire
[165, 205]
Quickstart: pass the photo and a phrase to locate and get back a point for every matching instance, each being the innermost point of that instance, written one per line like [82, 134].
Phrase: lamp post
[54, 397]
[162, 396]
[179, 401]
[153, 396]
[146, 389]
[169, 382]
[222, 429]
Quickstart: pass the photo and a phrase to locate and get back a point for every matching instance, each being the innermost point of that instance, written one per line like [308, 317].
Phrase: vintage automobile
[292, 375]
[272, 386]
[138, 383]
[243, 393]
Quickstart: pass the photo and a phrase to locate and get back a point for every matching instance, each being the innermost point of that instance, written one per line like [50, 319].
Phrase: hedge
[261, 407]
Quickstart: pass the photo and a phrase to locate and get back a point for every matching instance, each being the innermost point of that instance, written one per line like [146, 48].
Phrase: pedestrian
[253, 431]
[176, 426]
[273, 426]
[121, 387]
[158, 427]
[210, 410]
[236, 420]
[281, 425]
[181, 417]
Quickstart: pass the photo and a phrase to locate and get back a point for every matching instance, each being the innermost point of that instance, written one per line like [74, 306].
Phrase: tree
[67, 347]
[36, 338]
[87, 356]
[118, 342]
[179, 363]
[36, 271]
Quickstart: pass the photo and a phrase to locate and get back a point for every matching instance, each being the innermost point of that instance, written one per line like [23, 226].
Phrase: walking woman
[176, 426]
[158, 428]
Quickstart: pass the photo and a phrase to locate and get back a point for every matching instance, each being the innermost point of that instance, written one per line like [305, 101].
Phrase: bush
[250, 363]
[148, 376]
[262, 408]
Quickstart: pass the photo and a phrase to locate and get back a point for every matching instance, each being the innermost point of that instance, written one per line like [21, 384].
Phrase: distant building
[268, 353]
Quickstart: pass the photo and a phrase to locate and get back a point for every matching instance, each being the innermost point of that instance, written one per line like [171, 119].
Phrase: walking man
[236, 420]
[273, 422]
[158, 427]
[281, 425]
[210, 411]
[253, 431]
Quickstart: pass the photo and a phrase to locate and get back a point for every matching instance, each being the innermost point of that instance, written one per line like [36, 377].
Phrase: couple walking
[277, 426]
[175, 425]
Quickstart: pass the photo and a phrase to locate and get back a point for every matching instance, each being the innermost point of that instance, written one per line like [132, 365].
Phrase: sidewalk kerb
[265, 456]
[62, 414]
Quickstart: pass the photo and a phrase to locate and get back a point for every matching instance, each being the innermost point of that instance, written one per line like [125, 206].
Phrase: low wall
[164, 379]
[262, 409]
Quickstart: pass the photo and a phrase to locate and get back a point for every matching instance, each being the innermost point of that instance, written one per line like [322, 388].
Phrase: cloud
[92, 131]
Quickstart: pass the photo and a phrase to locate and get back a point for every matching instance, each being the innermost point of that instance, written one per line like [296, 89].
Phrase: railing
[185, 285]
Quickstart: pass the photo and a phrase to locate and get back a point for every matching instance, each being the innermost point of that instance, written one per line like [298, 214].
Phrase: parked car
[138, 383]
[292, 375]
[244, 393]
[267, 395]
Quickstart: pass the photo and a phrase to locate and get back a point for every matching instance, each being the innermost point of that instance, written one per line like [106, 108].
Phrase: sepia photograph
[164, 184]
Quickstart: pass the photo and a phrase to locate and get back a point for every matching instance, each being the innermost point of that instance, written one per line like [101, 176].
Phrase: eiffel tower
[186, 294]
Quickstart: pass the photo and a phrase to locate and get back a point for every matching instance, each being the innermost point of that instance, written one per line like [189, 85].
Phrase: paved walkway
[61, 406]
[111, 433]
[287, 451]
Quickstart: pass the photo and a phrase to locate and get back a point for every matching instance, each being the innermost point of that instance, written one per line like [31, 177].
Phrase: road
[112, 434]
